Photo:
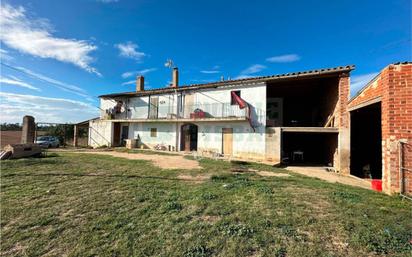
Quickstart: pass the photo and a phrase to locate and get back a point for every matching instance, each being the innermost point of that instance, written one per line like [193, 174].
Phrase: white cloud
[129, 74]
[4, 55]
[130, 82]
[284, 58]
[133, 82]
[14, 106]
[56, 83]
[253, 69]
[129, 50]
[17, 82]
[210, 71]
[34, 36]
[213, 70]
[359, 81]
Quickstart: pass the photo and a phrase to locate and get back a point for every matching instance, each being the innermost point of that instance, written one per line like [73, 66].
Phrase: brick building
[381, 129]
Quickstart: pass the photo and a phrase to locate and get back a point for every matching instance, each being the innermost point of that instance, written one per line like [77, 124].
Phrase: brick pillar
[28, 130]
[343, 123]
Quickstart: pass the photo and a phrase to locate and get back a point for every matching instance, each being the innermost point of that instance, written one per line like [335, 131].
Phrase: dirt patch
[17, 248]
[271, 174]
[67, 213]
[209, 218]
[162, 161]
[321, 173]
[195, 179]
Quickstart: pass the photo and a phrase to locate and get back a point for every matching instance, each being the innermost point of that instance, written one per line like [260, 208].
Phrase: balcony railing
[194, 111]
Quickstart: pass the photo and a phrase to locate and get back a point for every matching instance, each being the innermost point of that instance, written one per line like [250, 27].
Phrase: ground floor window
[153, 132]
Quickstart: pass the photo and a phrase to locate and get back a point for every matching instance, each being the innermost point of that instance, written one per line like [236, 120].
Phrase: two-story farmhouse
[297, 117]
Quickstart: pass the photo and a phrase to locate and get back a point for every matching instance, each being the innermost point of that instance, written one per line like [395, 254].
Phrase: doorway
[116, 134]
[188, 138]
[366, 142]
[227, 141]
[124, 135]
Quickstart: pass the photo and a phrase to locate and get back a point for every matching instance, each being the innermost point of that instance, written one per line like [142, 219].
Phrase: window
[232, 99]
[153, 132]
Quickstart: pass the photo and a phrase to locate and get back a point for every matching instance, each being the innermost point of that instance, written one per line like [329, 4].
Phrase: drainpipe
[401, 142]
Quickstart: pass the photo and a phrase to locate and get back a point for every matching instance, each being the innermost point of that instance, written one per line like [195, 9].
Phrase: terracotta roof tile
[309, 73]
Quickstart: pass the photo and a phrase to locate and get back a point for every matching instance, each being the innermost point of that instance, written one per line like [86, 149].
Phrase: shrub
[198, 251]
[240, 230]
[173, 206]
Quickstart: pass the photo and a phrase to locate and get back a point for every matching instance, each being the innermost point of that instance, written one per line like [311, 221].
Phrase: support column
[76, 133]
[343, 121]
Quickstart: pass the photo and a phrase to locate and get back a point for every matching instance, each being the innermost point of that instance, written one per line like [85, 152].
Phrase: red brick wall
[372, 91]
[397, 123]
[394, 86]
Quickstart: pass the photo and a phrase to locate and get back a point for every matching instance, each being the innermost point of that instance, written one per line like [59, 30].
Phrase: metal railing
[193, 111]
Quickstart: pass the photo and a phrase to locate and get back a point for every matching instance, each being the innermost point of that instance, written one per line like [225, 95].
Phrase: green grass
[90, 205]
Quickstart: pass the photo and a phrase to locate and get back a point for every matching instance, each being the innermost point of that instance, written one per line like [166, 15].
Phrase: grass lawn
[90, 205]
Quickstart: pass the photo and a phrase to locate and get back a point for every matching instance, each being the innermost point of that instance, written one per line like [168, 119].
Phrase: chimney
[139, 83]
[175, 78]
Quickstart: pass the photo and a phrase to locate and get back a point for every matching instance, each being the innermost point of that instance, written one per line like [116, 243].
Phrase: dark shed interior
[309, 148]
[366, 142]
[306, 102]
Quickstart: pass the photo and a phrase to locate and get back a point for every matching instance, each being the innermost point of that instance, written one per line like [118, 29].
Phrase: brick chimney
[139, 83]
[175, 77]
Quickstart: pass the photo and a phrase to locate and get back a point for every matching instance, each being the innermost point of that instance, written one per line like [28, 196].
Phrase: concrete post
[76, 133]
[28, 130]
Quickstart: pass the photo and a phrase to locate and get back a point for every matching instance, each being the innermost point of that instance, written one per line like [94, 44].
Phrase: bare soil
[162, 161]
[195, 179]
[9, 137]
[321, 173]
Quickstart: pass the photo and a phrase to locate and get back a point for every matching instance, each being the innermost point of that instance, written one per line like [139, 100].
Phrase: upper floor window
[232, 98]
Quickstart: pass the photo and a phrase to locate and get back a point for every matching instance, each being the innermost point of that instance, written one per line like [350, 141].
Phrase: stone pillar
[76, 134]
[28, 130]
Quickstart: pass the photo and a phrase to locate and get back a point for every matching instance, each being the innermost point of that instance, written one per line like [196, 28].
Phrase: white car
[48, 141]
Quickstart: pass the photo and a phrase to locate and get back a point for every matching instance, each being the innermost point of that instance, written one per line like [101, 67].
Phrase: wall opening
[302, 103]
[366, 142]
[309, 148]
[116, 134]
[188, 140]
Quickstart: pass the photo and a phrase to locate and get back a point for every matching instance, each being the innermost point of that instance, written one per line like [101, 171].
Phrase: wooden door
[227, 139]
[153, 107]
[187, 140]
[116, 134]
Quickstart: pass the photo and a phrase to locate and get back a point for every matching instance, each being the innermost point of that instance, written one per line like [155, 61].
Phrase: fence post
[75, 135]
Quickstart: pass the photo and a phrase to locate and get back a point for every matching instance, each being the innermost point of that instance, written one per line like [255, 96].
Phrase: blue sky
[58, 56]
